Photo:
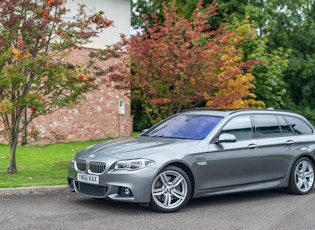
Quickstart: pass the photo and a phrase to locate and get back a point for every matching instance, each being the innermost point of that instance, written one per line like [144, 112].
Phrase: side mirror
[144, 130]
[224, 138]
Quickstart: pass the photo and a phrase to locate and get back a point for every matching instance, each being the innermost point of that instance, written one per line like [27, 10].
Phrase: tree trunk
[13, 143]
[12, 163]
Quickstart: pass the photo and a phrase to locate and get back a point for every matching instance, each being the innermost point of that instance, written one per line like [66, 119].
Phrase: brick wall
[96, 117]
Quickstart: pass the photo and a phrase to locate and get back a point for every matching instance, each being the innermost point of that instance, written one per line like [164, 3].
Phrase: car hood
[137, 147]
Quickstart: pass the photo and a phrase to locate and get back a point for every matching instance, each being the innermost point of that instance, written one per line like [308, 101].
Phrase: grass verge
[39, 165]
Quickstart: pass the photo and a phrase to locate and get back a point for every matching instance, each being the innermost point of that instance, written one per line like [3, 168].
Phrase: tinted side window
[267, 125]
[239, 126]
[285, 127]
[298, 125]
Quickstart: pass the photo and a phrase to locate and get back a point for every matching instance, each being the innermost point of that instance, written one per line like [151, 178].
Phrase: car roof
[206, 111]
[226, 112]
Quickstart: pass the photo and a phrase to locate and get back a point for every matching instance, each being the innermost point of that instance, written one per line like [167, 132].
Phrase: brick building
[106, 111]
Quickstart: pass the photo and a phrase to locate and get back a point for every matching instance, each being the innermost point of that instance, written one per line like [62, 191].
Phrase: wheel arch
[306, 156]
[312, 159]
[187, 170]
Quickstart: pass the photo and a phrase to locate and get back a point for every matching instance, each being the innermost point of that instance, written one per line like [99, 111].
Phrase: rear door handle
[290, 142]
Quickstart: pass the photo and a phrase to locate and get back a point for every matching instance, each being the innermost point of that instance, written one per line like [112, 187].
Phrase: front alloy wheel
[171, 190]
[302, 177]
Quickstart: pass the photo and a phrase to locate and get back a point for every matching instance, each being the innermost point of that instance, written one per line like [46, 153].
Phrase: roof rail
[216, 109]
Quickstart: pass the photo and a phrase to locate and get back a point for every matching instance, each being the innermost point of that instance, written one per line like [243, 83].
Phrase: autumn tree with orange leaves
[180, 64]
[35, 40]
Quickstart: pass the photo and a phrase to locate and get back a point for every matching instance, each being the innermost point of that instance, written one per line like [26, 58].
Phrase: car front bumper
[118, 185]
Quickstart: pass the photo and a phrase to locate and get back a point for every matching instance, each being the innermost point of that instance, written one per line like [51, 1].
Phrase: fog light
[127, 191]
[124, 191]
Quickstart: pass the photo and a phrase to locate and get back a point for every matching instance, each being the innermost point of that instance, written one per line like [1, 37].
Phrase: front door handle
[252, 146]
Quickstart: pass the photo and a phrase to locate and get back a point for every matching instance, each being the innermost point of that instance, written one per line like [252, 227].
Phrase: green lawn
[39, 165]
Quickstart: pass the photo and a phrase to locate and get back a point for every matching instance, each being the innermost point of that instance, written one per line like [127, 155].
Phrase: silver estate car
[198, 153]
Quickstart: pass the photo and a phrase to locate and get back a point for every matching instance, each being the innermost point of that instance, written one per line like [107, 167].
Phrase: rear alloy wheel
[302, 176]
[171, 190]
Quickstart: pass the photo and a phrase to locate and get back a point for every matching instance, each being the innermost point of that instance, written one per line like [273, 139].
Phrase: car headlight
[133, 164]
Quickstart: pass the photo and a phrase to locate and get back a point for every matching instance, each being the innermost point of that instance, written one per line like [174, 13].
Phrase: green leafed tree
[35, 79]
[258, 18]
[268, 77]
[289, 28]
[300, 76]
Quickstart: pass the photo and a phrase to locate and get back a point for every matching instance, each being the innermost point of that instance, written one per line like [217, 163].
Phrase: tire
[302, 177]
[171, 190]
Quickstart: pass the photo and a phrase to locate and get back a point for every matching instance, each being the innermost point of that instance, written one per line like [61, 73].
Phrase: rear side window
[285, 127]
[299, 126]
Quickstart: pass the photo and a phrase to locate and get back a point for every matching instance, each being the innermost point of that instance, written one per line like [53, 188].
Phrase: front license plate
[92, 179]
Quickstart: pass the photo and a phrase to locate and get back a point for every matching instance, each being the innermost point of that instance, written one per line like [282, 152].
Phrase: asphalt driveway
[61, 209]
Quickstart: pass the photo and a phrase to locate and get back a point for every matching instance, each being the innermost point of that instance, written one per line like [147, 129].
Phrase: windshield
[187, 126]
